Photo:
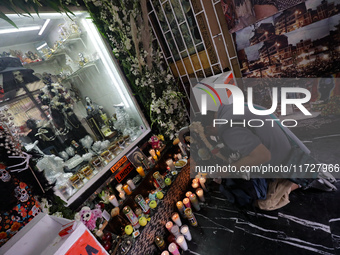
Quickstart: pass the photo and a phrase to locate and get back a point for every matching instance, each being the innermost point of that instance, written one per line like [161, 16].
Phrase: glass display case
[68, 98]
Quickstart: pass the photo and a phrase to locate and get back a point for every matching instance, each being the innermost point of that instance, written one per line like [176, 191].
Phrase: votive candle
[188, 194]
[169, 226]
[131, 184]
[180, 207]
[140, 170]
[165, 253]
[158, 153]
[122, 195]
[170, 163]
[186, 202]
[202, 181]
[194, 202]
[175, 231]
[186, 232]
[113, 200]
[152, 152]
[195, 185]
[180, 240]
[200, 194]
[173, 249]
[175, 218]
[119, 187]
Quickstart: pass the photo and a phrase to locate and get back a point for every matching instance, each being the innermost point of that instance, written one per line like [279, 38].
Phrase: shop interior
[96, 151]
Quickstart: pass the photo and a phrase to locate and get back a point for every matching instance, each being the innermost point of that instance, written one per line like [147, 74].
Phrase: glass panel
[177, 10]
[192, 25]
[64, 91]
[172, 45]
[160, 35]
[187, 38]
[174, 27]
[160, 15]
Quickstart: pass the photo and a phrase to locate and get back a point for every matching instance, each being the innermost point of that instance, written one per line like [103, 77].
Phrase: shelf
[81, 69]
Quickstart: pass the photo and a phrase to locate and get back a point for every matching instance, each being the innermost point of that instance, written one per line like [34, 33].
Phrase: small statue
[155, 142]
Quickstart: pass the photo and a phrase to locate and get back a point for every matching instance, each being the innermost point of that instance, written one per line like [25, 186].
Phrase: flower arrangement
[125, 24]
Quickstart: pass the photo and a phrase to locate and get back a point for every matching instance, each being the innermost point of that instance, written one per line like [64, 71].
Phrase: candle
[127, 189]
[180, 207]
[152, 152]
[119, 187]
[187, 203]
[195, 185]
[175, 231]
[194, 202]
[179, 156]
[131, 184]
[99, 233]
[182, 243]
[165, 253]
[155, 158]
[173, 249]
[200, 194]
[122, 195]
[175, 218]
[113, 200]
[169, 226]
[158, 153]
[170, 163]
[196, 180]
[186, 232]
[202, 180]
[140, 170]
[188, 194]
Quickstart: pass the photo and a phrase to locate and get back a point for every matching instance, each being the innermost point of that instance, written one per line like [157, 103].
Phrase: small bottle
[160, 243]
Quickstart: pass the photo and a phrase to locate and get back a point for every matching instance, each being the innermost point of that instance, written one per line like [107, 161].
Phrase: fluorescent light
[22, 29]
[42, 46]
[44, 26]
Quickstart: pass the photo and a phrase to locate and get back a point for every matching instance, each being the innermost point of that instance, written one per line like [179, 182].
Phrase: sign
[119, 163]
[86, 245]
[124, 172]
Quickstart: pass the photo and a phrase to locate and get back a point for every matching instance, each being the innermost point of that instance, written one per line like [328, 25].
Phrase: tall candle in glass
[140, 170]
[170, 163]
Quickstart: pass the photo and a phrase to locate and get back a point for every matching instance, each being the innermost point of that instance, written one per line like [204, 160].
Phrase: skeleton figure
[21, 193]
[18, 77]
[4, 175]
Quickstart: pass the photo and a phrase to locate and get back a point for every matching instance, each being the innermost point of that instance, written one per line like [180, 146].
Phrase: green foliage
[27, 7]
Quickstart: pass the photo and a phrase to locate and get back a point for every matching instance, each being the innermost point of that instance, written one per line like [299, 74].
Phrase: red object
[86, 244]
[66, 229]
[171, 238]
[107, 237]
[107, 245]
[102, 205]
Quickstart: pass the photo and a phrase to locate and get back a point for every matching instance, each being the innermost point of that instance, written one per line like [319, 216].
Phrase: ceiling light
[22, 29]
[42, 46]
[44, 26]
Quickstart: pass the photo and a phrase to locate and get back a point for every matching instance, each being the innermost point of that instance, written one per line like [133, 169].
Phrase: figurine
[155, 142]
[89, 217]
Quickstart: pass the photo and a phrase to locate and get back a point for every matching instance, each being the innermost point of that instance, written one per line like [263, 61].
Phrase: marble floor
[309, 224]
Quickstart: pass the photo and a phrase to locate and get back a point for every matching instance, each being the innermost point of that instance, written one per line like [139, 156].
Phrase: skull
[85, 213]
[18, 77]
[4, 175]
[21, 194]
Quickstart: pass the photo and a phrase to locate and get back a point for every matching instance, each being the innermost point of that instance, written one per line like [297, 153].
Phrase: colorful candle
[187, 203]
[158, 153]
[180, 240]
[169, 226]
[173, 249]
[200, 194]
[175, 218]
[188, 194]
[113, 200]
[140, 170]
[180, 207]
[191, 217]
[186, 232]
[194, 202]
[127, 189]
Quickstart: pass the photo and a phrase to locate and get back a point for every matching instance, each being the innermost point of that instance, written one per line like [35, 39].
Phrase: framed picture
[136, 156]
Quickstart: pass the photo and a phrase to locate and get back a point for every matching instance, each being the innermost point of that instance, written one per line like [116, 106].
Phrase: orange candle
[188, 194]
[127, 189]
[140, 170]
